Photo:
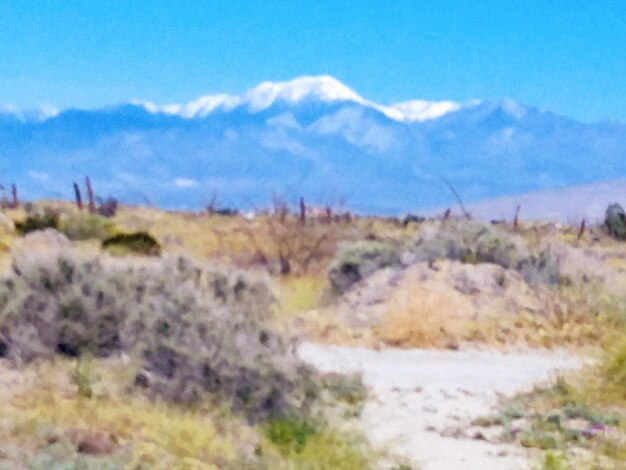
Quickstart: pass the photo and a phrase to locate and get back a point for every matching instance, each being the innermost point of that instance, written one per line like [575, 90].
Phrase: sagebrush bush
[462, 240]
[472, 242]
[59, 304]
[358, 260]
[87, 226]
[196, 329]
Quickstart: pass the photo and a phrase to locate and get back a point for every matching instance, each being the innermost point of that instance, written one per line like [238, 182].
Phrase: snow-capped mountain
[313, 137]
[324, 89]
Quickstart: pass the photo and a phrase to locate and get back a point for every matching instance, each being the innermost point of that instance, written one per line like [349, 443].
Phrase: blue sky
[565, 56]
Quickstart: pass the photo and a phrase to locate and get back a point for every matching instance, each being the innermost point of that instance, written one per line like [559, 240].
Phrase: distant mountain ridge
[311, 137]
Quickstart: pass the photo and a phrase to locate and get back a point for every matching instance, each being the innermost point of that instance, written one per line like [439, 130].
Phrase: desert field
[146, 338]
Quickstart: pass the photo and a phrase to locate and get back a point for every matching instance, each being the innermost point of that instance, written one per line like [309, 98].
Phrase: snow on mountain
[315, 137]
[420, 110]
[324, 88]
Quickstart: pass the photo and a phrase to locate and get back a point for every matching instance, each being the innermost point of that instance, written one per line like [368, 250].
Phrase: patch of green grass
[86, 227]
[331, 450]
[555, 461]
[612, 373]
[538, 440]
[305, 445]
[289, 435]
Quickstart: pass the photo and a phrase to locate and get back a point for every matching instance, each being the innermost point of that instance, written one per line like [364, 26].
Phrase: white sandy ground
[422, 401]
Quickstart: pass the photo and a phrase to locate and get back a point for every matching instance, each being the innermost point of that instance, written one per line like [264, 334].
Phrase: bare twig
[581, 231]
[516, 218]
[90, 195]
[457, 196]
[302, 212]
[15, 202]
[78, 197]
[211, 205]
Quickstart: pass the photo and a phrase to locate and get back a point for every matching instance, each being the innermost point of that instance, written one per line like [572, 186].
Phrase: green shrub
[538, 440]
[554, 461]
[358, 260]
[470, 241]
[39, 220]
[615, 221]
[347, 388]
[466, 241]
[476, 242]
[136, 242]
[87, 226]
[289, 434]
[196, 329]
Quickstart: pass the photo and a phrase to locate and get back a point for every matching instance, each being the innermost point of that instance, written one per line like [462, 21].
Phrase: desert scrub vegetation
[580, 421]
[258, 241]
[158, 357]
[459, 282]
[40, 218]
[197, 329]
[50, 423]
[470, 242]
[358, 260]
[83, 226]
[615, 221]
[140, 243]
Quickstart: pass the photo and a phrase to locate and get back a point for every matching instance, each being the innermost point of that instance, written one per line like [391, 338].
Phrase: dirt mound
[448, 303]
[428, 304]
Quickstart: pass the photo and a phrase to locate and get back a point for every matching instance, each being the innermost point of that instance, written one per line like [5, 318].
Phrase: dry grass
[415, 318]
[300, 293]
[46, 404]
[570, 318]
[425, 318]
[159, 435]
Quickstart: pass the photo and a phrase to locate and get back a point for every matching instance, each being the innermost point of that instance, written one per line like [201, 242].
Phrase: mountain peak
[324, 88]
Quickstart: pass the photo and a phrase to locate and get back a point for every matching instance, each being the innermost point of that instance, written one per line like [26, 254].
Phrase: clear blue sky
[565, 56]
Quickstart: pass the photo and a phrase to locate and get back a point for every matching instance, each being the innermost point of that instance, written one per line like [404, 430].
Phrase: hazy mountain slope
[313, 137]
[570, 204]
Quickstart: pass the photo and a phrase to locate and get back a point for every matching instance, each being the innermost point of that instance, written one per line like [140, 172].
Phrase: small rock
[92, 442]
[455, 433]
[491, 434]
[479, 436]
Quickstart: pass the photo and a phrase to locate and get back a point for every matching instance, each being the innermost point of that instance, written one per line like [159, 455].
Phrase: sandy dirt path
[423, 401]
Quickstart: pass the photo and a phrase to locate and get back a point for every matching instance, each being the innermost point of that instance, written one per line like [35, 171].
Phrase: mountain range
[315, 137]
